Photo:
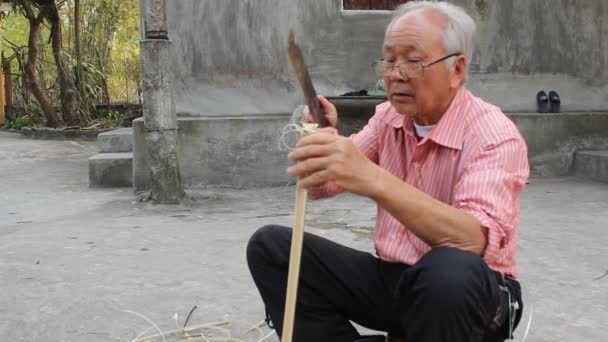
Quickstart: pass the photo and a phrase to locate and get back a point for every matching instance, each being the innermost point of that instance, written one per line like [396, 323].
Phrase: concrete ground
[74, 260]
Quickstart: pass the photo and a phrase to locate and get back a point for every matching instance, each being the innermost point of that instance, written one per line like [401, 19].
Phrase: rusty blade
[310, 95]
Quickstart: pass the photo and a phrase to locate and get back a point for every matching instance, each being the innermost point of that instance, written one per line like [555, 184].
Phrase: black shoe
[555, 101]
[543, 102]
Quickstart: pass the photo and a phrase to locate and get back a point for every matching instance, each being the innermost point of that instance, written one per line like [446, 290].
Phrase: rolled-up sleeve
[366, 141]
[489, 188]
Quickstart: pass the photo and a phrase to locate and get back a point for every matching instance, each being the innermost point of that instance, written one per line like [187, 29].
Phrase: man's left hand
[323, 158]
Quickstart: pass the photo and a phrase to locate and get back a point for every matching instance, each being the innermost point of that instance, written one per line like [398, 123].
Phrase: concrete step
[592, 165]
[116, 141]
[108, 170]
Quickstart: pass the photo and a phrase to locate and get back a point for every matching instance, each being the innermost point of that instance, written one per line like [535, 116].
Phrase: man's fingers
[308, 166]
[325, 104]
[327, 130]
[317, 139]
[309, 151]
[329, 110]
[315, 179]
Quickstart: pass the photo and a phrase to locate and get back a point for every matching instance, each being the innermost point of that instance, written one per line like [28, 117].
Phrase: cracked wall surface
[230, 56]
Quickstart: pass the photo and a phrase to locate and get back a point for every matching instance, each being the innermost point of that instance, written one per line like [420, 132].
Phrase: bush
[24, 117]
[19, 122]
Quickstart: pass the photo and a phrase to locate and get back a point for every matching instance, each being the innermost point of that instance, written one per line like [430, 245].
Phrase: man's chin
[407, 110]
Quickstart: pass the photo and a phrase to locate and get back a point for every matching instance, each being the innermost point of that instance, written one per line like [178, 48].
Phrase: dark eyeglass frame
[388, 67]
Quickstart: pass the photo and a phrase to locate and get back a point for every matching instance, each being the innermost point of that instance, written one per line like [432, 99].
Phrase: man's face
[419, 37]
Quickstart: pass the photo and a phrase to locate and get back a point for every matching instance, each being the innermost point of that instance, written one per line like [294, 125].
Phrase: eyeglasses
[409, 70]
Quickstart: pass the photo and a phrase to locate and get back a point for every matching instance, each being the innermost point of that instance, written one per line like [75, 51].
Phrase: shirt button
[393, 237]
[416, 165]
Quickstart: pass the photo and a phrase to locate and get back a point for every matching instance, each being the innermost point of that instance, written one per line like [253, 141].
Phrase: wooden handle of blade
[295, 258]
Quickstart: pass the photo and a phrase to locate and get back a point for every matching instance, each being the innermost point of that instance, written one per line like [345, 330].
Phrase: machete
[310, 95]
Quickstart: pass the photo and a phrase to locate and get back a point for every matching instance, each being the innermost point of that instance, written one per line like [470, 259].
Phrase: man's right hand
[331, 114]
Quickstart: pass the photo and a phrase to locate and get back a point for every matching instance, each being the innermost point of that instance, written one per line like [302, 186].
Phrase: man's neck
[433, 118]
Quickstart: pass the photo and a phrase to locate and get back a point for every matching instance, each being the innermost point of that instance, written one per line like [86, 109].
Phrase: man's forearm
[436, 223]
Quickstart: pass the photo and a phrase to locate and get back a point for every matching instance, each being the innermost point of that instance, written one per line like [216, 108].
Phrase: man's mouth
[402, 94]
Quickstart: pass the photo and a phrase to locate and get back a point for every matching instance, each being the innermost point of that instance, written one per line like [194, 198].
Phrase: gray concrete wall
[242, 151]
[591, 165]
[554, 138]
[235, 152]
[527, 45]
[230, 55]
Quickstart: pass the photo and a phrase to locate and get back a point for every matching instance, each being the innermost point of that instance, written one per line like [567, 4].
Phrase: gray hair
[459, 33]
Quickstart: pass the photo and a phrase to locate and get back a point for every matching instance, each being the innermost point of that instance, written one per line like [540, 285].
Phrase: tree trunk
[8, 86]
[24, 92]
[106, 91]
[78, 47]
[70, 116]
[126, 78]
[104, 79]
[2, 103]
[32, 81]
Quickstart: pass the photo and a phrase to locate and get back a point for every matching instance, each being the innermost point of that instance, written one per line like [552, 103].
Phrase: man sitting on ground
[446, 170]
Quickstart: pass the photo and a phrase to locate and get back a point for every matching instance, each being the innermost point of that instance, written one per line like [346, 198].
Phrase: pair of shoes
[543, 101]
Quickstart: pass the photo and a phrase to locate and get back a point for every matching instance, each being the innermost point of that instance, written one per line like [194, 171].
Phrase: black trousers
[449, 295]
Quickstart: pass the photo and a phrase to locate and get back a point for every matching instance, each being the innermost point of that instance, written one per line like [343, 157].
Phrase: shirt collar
[448, 132]
[392, 118]
[450, 129]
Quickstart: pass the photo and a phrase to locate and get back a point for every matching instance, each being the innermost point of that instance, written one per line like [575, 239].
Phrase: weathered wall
[527, 45]
[243, 151]
[230, 55]
[235, 152]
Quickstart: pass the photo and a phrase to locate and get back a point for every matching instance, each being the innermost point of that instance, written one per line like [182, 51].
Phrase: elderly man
[446, 170]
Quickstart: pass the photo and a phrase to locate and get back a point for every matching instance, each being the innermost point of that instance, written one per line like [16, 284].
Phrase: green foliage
[110, 47]
[15, 29]
[110, 36]
[114, 117]
[24, 117]
[19, 122]
[93, 79]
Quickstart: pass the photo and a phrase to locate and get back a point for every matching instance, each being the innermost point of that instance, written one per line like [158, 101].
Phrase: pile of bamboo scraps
[218, 331]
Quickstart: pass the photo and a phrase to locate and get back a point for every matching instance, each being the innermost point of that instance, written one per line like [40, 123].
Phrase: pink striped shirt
[473, 159]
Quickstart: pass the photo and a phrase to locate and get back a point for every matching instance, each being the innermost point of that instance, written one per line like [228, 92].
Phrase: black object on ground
[356, 93]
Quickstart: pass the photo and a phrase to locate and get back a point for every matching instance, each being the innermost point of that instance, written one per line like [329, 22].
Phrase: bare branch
[27, 8]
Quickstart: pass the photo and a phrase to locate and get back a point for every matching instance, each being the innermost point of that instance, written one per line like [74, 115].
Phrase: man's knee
[447, 261]
[448, 294]
[450, 277]
[264, 242]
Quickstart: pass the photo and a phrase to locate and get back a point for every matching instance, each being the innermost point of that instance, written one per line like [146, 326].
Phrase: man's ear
[459, 71]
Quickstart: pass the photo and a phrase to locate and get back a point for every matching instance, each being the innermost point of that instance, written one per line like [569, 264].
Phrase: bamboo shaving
[216, 331]
[294, 130]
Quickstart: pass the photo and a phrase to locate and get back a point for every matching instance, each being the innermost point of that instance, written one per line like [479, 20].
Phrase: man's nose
[395, 75]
